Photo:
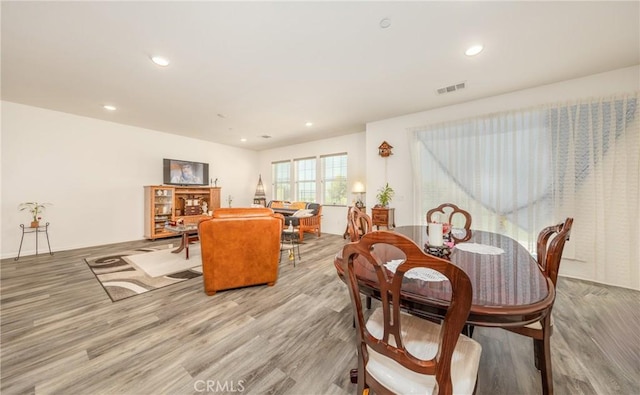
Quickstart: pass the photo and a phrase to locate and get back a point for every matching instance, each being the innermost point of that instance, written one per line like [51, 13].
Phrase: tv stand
[164, 203]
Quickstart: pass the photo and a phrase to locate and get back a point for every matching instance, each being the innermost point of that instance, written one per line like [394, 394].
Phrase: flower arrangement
[35, 209]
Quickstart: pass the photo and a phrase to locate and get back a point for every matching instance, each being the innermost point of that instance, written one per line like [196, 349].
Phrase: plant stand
[39, 229]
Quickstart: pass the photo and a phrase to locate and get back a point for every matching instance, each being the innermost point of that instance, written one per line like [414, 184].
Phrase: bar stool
[292, 237]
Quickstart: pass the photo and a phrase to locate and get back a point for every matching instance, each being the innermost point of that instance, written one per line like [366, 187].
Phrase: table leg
[183, 243]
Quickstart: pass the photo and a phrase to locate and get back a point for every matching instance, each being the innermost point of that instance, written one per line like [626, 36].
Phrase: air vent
[265, 136]
[451, 88]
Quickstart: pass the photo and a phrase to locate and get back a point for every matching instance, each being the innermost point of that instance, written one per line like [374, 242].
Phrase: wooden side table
[188, 234]
[39, 229]
[383, 216]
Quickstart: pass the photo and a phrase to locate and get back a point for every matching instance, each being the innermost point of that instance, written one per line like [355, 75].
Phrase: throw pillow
[302, 213]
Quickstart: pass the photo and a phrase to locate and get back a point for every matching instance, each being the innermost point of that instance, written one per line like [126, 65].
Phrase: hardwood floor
[62, 334]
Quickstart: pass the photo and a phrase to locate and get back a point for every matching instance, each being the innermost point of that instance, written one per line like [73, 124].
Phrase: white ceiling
[246, 69]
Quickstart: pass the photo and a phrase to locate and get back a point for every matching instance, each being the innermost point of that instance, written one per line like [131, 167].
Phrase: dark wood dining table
[509, 289]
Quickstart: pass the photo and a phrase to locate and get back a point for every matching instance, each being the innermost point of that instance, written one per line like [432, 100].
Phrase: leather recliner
[240, 247]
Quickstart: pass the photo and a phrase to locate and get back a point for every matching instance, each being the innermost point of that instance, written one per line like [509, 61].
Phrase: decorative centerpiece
[439, 244]
[35, 209]
[442, 251]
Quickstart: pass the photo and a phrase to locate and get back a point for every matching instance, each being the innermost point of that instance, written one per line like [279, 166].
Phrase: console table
[39, 229]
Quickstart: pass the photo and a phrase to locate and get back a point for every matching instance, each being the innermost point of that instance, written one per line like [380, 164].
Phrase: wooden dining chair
[550, 244]
[401, 353]
[358, 223]
[450, 213]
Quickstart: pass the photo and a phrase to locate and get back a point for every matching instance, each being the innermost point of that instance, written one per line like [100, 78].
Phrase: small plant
[385, 194]
[34, 208]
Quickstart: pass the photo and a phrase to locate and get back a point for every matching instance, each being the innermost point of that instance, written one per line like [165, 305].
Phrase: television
[184, 172]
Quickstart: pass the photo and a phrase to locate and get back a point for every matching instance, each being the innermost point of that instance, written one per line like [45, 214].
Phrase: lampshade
[358, 187]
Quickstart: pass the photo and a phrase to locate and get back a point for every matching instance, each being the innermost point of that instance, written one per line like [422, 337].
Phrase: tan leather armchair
[240, 247]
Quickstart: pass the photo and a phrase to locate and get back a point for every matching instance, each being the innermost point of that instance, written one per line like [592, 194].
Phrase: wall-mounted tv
[184, 172]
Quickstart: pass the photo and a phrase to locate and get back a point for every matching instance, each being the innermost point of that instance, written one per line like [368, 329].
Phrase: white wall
[93, 173]
[397, 169]
[334, 218]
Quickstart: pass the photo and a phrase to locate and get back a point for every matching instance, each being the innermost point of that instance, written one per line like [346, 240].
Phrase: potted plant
[35, 209]
[384, 196]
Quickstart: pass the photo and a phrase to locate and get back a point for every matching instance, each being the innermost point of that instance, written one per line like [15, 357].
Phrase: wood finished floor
[61, 334]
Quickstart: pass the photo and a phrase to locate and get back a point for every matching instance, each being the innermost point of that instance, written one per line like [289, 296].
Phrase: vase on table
[35, 224]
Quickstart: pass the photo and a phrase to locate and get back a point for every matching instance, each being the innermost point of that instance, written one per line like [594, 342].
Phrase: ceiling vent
[451, 88]
[265, 136]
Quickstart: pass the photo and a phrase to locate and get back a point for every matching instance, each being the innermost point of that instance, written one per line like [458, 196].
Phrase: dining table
[509, 287]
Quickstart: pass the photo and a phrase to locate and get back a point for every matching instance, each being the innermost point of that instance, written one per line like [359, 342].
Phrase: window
[305, 178]
[281, 180]
[334, 177]
[299, 179]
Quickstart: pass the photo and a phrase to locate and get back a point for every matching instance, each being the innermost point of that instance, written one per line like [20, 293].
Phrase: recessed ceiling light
[309, 124]
[474, 50]
[160, 61]
[385, 23]
[243, 139]
[108, 107]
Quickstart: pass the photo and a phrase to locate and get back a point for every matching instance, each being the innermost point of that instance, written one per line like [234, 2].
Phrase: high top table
[509, 289]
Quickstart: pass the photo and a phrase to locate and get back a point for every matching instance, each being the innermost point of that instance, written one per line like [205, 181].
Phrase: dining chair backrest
[358, 223]
[390, 340]
[551, 242]
[451, 214]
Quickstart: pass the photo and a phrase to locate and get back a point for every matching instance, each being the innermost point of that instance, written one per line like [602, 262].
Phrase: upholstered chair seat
[421, 340]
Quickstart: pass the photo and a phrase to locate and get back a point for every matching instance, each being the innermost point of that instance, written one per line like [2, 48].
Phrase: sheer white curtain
[519, 171]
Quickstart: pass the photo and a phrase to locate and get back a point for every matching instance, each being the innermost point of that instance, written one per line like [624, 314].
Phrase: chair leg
[545, 364]
[468, 330]
[537, 350]
[353, 373]
[544, 356]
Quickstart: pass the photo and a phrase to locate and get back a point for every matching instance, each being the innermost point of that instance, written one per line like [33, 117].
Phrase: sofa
[240, 247]
[305, 217]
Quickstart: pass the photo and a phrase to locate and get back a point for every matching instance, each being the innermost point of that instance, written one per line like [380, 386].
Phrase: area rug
[133, 272]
